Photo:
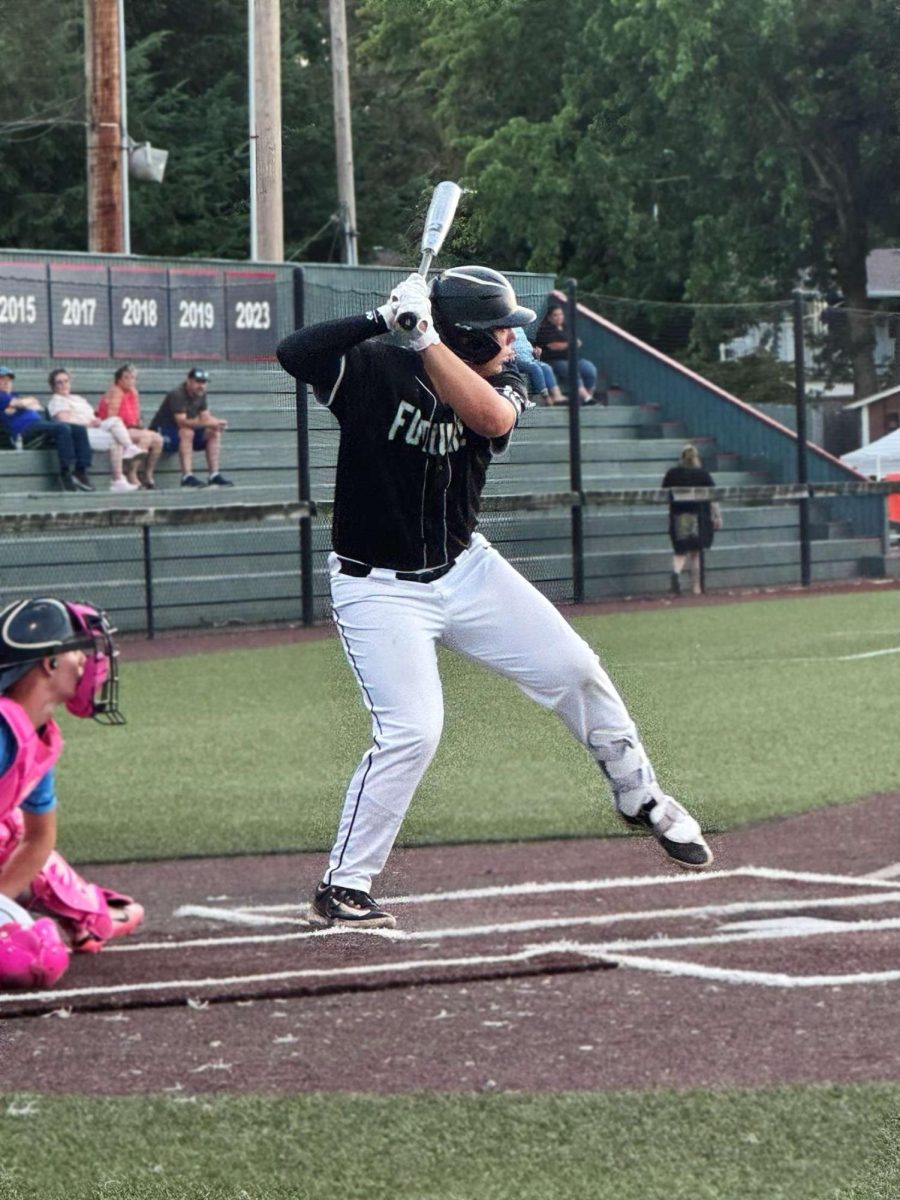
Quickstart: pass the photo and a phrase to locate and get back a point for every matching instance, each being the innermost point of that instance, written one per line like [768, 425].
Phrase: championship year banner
[79, 310]
[24, 310]
[196, 313]
[251, 298]
[140, 312]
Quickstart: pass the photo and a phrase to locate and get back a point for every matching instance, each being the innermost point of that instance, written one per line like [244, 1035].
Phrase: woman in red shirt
[122, 400]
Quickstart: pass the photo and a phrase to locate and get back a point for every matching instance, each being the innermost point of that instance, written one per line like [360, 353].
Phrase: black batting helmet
[467, 303]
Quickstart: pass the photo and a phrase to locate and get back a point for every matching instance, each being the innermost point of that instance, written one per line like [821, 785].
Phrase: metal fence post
[304, 485]
[802, 473]
[575, 444]
[148, 580]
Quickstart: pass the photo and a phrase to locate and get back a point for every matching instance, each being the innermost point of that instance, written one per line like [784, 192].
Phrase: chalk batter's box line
[350, 977]
[766, 933]
[599, 885]
[535, 924]
[615, 953]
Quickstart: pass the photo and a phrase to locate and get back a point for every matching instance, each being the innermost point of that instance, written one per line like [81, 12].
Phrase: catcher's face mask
[97, 694]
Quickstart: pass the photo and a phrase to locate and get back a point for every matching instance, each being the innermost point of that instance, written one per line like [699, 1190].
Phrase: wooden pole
[343, 134]
[104, 127]
[268, 210]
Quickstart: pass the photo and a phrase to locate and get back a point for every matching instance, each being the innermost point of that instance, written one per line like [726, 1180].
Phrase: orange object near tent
[893, 502]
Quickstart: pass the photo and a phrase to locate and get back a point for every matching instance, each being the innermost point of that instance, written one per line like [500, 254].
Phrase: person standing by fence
[692, 524]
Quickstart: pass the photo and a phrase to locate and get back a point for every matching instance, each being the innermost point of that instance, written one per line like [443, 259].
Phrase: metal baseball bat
[441, 212]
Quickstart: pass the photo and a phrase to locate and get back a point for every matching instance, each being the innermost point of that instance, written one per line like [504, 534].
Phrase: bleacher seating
[240, 572]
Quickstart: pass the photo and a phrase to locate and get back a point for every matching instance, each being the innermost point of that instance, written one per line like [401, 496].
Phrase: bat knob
[407, 321]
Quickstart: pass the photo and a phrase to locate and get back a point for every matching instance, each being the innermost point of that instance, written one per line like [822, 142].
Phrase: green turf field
[815, 1143]
[749, 711]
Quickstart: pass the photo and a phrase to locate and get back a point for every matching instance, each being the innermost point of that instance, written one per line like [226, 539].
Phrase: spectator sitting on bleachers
[110, 435]
[24, 417]
[122, 400]
[553, 341]
[186, 425]
[540, 377]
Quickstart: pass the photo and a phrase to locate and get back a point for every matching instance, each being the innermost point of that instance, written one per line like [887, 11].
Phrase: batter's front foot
[675, 829]
[334, 905]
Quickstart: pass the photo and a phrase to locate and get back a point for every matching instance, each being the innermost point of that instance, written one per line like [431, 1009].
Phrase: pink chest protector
[35, 756]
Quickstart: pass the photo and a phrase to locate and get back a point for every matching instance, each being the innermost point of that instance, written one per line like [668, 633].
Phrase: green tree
[667, 150]
[42, 185]
[704, 150]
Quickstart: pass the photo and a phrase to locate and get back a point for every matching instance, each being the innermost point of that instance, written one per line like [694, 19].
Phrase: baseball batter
[420, 424]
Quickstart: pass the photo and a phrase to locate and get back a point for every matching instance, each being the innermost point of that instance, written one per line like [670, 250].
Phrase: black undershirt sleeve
[314, 354]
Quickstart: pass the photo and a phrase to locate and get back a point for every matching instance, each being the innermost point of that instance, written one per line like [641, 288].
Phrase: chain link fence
[576, 503]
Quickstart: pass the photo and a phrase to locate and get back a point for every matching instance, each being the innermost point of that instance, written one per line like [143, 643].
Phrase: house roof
[883, 273]
[867, 400]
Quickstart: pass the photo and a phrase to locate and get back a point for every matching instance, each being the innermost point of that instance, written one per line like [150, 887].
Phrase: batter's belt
[360, 570]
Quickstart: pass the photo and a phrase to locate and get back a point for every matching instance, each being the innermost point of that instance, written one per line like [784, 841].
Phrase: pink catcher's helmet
[31, 630]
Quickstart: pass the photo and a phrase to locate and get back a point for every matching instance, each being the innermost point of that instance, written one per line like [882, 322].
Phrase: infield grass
[798, 1143]
[749, 710]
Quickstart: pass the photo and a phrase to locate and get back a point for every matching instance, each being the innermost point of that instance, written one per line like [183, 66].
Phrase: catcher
[51, 653]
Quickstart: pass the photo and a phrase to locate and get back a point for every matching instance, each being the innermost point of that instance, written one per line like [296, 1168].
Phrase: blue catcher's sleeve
[42, 797]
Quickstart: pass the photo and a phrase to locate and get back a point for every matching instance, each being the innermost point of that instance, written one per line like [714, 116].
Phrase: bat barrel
[440, 216]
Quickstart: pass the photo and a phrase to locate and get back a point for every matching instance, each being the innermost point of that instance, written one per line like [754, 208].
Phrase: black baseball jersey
[409, 473]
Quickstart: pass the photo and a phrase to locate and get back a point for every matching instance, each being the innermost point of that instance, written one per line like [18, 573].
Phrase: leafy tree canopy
[697, 150]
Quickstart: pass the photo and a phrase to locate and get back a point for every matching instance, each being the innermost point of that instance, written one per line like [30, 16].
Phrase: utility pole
[104, 127]
[266, 189]
[342, 129]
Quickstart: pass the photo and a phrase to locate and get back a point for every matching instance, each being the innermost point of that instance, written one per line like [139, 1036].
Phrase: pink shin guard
[32, 956]
[89, 914]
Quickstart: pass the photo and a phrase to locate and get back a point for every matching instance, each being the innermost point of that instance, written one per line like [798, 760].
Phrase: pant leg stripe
[362, 683]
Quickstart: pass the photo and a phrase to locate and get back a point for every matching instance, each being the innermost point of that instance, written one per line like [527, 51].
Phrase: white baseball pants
[484, 609]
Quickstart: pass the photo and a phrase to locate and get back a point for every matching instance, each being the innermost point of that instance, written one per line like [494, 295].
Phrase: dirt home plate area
[583, 964]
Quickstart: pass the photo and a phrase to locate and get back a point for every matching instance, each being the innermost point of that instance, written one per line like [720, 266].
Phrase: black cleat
[676, 831]
[334, 905]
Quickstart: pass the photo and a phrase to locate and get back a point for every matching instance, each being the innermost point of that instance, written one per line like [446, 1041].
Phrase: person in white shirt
[109, 434]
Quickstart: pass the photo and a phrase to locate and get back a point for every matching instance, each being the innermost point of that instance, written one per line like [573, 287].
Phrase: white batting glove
[412, 300]
[414, 287]
[389, 312]
[424, 334]
[406, 297]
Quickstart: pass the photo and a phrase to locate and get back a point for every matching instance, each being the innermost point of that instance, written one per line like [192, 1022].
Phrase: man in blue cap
[24, 417]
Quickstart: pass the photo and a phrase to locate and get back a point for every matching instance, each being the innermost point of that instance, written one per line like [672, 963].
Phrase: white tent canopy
[878, 458]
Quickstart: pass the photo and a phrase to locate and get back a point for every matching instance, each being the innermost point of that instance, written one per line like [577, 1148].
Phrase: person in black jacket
[692, 524]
